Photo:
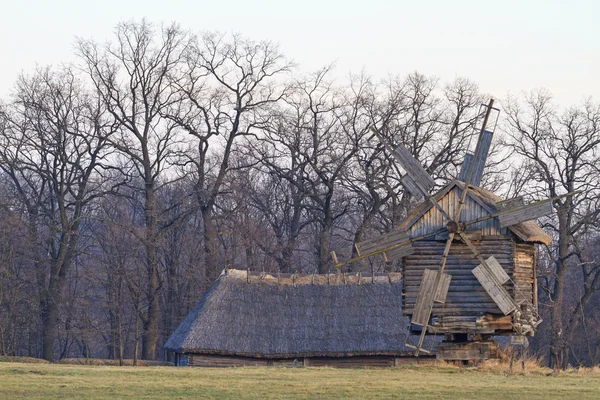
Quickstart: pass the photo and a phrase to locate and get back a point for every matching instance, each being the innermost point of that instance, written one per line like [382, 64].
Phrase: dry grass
[52, 381]
[28, 360]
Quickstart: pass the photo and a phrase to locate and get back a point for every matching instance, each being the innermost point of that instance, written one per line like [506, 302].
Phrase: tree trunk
[210, 256]
[49, 301]
[150, 334]
[557, 344]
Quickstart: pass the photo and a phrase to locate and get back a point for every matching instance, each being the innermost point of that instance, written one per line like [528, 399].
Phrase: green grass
[54, 381]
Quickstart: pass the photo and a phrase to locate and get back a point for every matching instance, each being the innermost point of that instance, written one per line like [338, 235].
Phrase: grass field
[52, 381]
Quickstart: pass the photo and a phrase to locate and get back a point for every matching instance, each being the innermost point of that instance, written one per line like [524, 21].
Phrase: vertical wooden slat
[480, 157]
[442, 290]
[462, 176]
[496, 292]
[424, 299]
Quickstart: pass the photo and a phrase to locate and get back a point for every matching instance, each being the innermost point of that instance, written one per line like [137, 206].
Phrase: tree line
[131, 178]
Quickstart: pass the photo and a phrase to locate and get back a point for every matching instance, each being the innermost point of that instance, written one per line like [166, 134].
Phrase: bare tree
[228, 89]
[135, 79]
[53, 145]
[559, 154]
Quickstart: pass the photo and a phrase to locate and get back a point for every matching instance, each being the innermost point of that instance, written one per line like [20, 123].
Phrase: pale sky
[504, 46]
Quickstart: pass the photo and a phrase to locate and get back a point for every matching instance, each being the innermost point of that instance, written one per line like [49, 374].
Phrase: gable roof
[247, 314]
[527, 231]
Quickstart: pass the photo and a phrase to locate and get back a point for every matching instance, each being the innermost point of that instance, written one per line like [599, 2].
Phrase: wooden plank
[480, 157]
[510, 203]
[383, 241]
[525, 213]
[497, 270]
[413, 169]
[399, 252]
[411, 186]
[496, 291]
[425, 298]
[464, 169]
[442, 289]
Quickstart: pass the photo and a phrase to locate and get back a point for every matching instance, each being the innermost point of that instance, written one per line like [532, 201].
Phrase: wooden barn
[468, 308]
[249, 318]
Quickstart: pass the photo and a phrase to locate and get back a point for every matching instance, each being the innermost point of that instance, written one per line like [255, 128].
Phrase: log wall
[466, 297]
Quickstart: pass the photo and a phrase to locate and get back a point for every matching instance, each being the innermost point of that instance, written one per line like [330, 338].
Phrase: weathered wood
[496, 292]
[525, 213]
[442, 288]
[425, 298]
[480, 157]
[510, 203]
[384, 241]
[477, 350]
[398, 252]
[497, 270]
[411, 186]
[413, 169]
[464, 168]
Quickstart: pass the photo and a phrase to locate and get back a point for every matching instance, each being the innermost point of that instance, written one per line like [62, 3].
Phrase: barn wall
[210, 360]
[465, 296]
[433, 220]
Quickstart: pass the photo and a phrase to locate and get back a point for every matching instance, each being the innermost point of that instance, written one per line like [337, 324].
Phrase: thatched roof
[527, 231]
[260, 315]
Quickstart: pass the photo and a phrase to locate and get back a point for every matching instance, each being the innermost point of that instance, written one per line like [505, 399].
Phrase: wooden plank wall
[433, 219]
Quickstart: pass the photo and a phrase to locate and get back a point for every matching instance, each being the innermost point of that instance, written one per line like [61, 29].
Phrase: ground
[52, 381]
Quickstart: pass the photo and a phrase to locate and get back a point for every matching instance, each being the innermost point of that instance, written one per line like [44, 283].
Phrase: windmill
[469, 256]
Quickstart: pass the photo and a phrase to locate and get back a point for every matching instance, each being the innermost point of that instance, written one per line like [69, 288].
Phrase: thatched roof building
[260, 319]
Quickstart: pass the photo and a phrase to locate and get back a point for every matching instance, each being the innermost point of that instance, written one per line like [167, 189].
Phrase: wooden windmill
[469, 256]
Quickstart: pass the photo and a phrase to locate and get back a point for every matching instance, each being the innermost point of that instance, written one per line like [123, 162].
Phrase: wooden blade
[428, 294]
[494, 289]
[441, 292]
[417, 181]
[398, 252]
[486, 275]
[389, 241]
[424, 301]
[510, 203]
[479, 158]
[414, 170]
[520, 214]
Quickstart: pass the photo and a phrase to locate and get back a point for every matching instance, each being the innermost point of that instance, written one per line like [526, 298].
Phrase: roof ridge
[295, 279]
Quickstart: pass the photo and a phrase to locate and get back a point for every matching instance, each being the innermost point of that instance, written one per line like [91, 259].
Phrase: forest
[131, 178]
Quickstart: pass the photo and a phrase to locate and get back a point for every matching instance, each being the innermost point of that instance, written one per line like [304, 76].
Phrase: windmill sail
[491, 276]
[520, 214]
[420, 178]
[395, 245]
[478, 159]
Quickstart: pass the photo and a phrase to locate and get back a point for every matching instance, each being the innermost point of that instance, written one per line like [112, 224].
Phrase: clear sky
[504, 46]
